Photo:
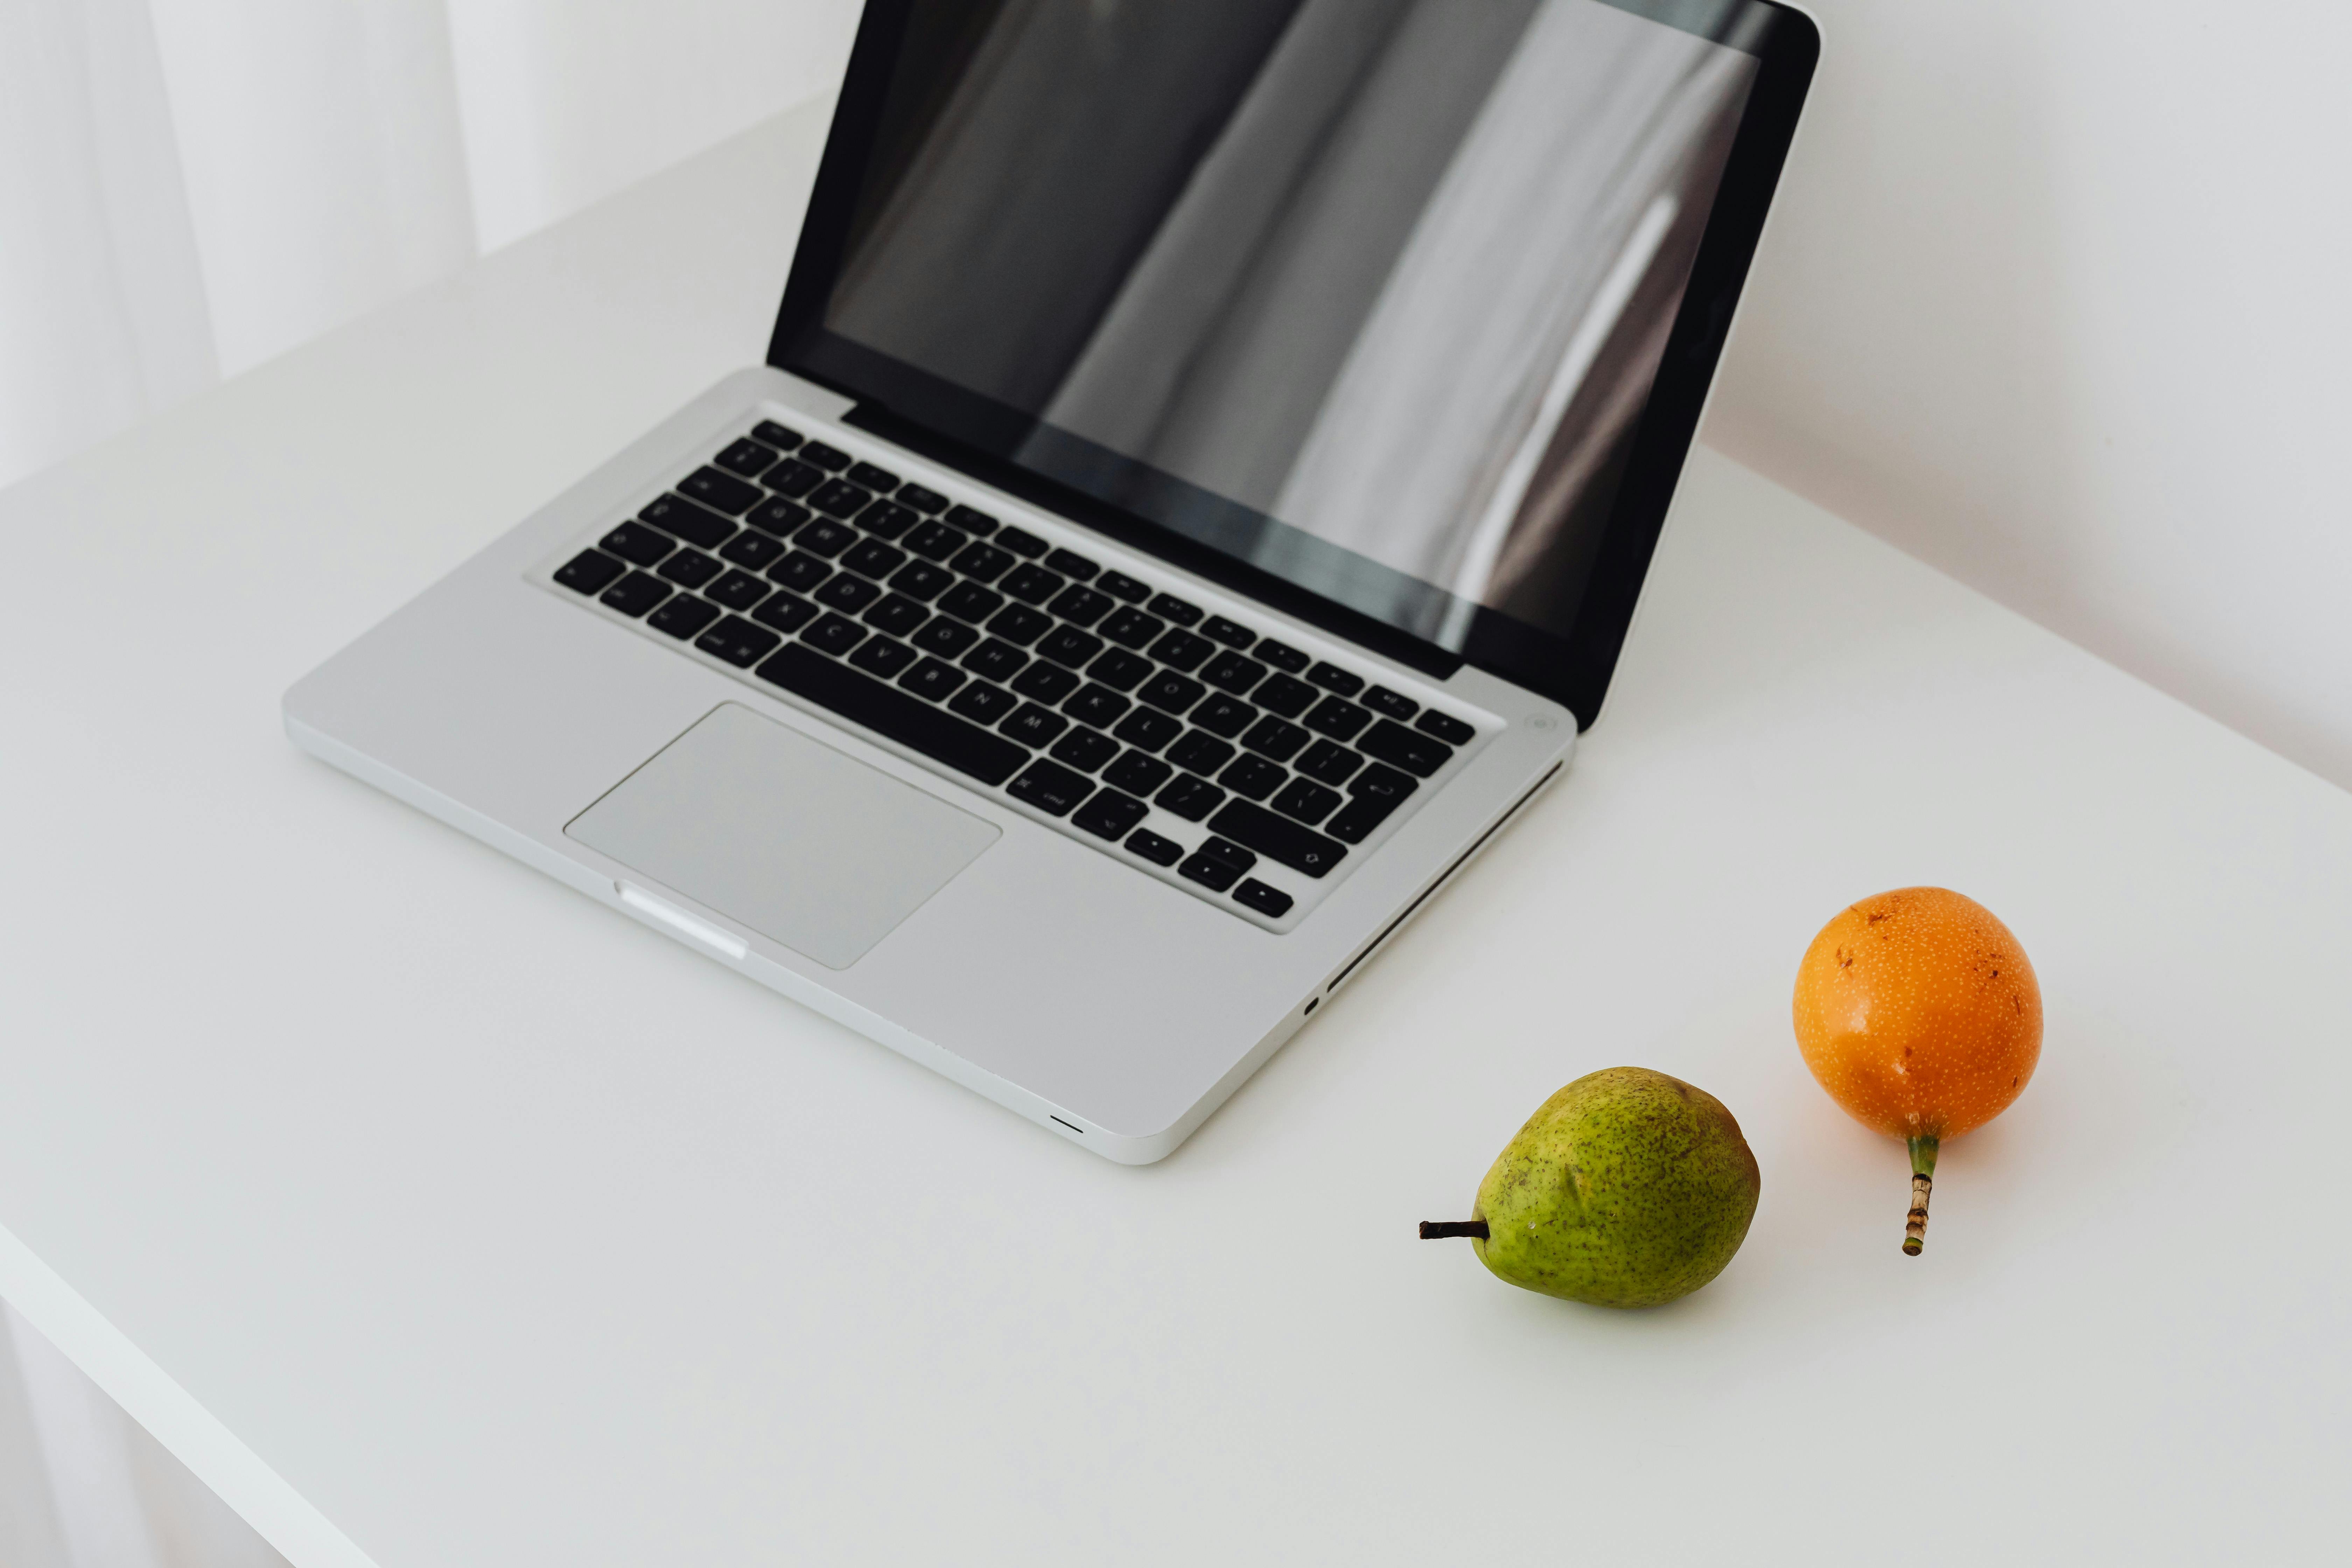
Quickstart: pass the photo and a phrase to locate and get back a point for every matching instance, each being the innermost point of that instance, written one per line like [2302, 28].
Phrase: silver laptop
[1201, 474]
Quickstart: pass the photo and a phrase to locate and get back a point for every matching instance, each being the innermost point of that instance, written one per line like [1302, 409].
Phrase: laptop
[1197, 487]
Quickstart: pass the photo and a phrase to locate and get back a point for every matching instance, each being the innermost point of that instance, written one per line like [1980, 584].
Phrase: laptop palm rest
[781, 833]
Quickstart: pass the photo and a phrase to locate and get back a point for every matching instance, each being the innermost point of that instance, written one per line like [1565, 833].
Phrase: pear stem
[1923, 1183]
[1439, 1229]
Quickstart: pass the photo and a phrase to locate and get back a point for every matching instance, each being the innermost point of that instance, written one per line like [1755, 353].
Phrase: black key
[836, 634]
[997, 661]
[1275, 738]
[896, 615]
[825, 537]
[1446, 727]
[755, 552]
[688, 521]
[1224, 716]
[946, 637]
[1068, 644]
[1252, 778]
[1021, 625]
[934, 679]
[1390, 741]
[683, 617]
[1330, 762]
[872, 477]
[1282, 656]
[872, 558]
[1331, 677]
[1132, 627]
[1120, 586]
[1271, 902]
[1231, 672]
[1080, 606]
[1202, 754]
[721, 492]
[1338, 717]
[922, 500]
[636, 544]
[1211, 873]
[1383, 784]
[1167, 606]
[1190, 799]
[1152, 848]
[738, 642]
[1278, 838]
[800, 570]
[1096, 705]
[1148, 729]
[1305, 799]
[689, 569]
[981, 562]
[1070, 563]
[1284, 696]
[971, 602]
[909, 721]
[588, 573]
[786, 613]
[1031, 585]
[737, 591]
[847, 594]
[1050, 787]
[831, 458]
[745, 458]
[1087, 750]
[886, 519]
[1182, 650]
[1033, 726]
[1138, 774]
[778, 516]
[1109, 814]
[793, 478]
[781, 436]
[1027, 545]
[1231, 854]
[1233, 634]
[635, 594]
[984, 703]
[880, 655]
[1119, 671]
[1373, 798]
[1171, 692]
[1045, 682]
[922, 580]
[840, 498]
[935, 541]
[1395, 704]
[972, 520]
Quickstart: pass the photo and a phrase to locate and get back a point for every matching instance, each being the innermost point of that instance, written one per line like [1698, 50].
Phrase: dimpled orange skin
[1919, 1014]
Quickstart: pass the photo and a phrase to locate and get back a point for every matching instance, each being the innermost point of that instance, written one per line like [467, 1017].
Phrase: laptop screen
[1371, 296]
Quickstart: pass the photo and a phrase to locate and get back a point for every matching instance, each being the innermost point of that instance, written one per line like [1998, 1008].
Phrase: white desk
[438, 1217]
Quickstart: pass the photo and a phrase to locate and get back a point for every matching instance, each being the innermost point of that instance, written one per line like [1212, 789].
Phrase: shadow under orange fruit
[1917, 1011]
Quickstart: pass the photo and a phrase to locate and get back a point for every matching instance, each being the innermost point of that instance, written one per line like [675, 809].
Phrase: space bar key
[911, 721]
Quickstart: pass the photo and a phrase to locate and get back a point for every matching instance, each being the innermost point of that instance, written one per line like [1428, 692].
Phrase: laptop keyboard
[1240, 766]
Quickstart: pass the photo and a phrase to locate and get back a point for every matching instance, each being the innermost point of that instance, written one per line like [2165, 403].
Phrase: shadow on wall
[83, 1486]
[1942, 427]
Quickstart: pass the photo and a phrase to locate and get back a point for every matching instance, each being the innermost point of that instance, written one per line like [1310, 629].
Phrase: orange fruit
[1919, 1012]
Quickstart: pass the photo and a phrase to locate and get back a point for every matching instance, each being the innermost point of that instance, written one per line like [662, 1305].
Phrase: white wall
[2059, 298]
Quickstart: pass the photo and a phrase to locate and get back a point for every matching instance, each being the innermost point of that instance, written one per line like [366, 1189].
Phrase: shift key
[1277, 837]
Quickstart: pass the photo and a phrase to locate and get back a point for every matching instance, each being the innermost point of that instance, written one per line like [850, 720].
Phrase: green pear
[1627, 1189]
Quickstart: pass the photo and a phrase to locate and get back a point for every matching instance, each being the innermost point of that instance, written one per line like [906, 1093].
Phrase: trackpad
[807, 846]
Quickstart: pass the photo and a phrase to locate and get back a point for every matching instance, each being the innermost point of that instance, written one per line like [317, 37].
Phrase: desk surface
[439, 1216]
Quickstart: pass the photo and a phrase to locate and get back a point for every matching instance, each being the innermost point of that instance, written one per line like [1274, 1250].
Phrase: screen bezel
[977, 436]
